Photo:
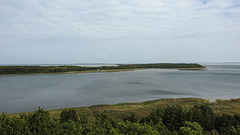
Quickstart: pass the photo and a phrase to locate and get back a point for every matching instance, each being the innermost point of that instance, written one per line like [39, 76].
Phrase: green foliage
[231, 130]
[131, 118]
[40, 122]
[161, 128]
[104, 124]
[13, 126]
[174, 117]
[129, 128]
[154, 116]
[191, 129]
[171, 120]
[62, 69]
[160, 65]
[68, 114]
[71, 128]
[203, 114]
[83, 119]
[213, 132]
[228, 124]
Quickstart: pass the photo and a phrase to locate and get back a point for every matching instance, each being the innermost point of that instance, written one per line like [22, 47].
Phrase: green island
[18, 70]
[181, 116]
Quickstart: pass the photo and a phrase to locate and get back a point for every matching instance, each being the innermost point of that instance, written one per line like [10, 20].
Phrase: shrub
[104, 124]
[68, 114]
[40, 123]
[174, 117]
[131, 118]
[203, 114]
[191, 129]
[129, 128]
[154, 116]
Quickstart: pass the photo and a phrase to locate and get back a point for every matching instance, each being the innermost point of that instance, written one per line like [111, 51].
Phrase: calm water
[27, 92]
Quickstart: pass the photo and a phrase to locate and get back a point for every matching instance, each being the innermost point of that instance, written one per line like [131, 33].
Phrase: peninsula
[18, 70]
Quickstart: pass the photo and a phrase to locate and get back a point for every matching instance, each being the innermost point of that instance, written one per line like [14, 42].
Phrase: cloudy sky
[119, 31]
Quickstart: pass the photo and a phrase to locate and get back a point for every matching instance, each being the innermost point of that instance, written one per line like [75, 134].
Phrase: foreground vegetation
[184, 116]
[73, 69]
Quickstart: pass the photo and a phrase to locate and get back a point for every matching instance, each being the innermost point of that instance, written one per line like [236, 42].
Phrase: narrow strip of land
[23, 70]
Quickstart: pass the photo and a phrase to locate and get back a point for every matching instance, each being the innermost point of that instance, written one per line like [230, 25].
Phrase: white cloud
[119, 22]
[114, 19]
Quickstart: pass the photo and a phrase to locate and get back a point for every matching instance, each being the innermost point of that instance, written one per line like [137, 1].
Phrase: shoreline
[191, 115]
[219, 106]
[74, 72]
[103, 71]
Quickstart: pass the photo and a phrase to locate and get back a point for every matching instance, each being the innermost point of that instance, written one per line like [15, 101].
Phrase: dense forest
[170, 120]
[63, 69]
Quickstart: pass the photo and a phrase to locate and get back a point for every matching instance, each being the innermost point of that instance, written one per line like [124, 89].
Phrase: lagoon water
[24, 93]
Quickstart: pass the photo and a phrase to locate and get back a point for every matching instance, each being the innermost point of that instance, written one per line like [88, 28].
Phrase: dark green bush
[154, 116]
[131, 118]
[169, 121]
[174, 117]
[104, 124]
[68, 114]
[203, 114]
[40, 123]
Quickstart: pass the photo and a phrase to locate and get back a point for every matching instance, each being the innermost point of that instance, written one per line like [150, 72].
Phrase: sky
[119, 31]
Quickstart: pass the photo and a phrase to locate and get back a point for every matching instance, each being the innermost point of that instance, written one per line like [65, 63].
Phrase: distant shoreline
[43, 70]
[100, 71]
[73, 72]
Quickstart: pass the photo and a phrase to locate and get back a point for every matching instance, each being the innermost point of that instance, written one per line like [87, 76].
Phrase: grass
[143, 109]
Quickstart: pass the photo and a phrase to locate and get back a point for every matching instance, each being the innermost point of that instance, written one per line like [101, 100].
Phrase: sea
[25, 93]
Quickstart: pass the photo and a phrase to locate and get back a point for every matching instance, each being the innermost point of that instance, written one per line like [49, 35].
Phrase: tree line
[170, 120]
[62, 69]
